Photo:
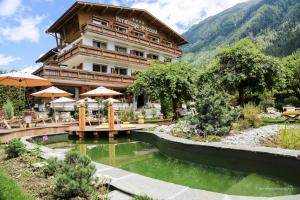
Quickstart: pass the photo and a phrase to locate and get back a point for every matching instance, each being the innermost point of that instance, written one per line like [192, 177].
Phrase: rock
[39, 164]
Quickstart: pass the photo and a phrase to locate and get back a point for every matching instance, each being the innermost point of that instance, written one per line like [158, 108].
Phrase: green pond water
[145, 159]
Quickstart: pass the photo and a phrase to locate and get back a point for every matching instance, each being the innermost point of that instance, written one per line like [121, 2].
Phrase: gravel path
[251, 137]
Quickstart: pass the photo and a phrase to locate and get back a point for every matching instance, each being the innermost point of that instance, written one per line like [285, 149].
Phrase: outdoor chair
[91, 119]
[41, 117]
[66, 117]
[9, 123]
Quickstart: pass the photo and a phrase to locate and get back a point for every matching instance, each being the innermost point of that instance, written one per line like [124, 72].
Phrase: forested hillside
[273, 25]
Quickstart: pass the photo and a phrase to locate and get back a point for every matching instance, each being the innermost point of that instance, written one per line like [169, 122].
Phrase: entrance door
[140, 101]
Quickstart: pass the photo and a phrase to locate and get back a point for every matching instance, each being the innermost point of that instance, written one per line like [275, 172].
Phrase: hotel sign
[137, 24]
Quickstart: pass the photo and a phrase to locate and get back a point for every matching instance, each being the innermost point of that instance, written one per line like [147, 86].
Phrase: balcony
[130, 38]
[74, 77]
[80, 49]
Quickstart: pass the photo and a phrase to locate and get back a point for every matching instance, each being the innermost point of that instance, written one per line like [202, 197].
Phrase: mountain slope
[274, 25]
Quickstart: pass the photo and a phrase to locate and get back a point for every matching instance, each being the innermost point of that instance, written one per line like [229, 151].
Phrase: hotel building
[104, 45]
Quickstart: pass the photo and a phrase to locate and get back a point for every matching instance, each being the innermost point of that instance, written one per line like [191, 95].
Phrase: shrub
[213, 138]
[35, 152]
[104, 110]
[251, 117]
[292, 100]
[290, 138]
[75, 177]
[214, 115]
[8, 108]
[52, 167]
[266, 100]
[14, 148]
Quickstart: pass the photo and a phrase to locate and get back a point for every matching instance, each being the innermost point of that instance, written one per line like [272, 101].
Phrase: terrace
[82, 77]
[91, 27]
[85, 50]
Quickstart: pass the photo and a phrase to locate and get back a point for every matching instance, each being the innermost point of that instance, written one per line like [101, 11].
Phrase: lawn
[10, 190]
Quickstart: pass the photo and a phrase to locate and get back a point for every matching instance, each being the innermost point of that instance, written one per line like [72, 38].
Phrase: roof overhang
[78, 5]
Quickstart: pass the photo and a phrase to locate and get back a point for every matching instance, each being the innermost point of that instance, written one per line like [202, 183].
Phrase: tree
[171, 82]
[15, 94]
[214, 114]
[245, 69]
[75, 176]
[292, 70]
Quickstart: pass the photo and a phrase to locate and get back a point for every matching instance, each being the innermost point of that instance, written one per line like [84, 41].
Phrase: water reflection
[145, 159]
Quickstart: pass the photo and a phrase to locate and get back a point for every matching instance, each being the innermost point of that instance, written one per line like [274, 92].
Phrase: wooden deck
[96, 131]
[8, 134]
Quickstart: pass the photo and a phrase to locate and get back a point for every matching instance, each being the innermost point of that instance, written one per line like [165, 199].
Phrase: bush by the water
[214, 114]
[14, 148]
[52, 167]
[75, 176]
[251, 117]
[290, 138]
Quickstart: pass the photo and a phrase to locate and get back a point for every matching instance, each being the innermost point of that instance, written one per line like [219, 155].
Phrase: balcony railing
[102, 53]
[64, 73]
[130, 38]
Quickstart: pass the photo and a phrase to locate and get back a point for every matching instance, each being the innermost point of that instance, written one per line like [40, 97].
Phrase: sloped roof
[81, 4]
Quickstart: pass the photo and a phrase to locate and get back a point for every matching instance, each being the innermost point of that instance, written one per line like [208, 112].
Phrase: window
[100, 22]
[119, 70]
[137, 53]
[154, 39]
[120, 29]
[138, 34]
[153, 56]
[101, 45]
[99, 68]
[80, 66]
[167, 43]
[121, 49]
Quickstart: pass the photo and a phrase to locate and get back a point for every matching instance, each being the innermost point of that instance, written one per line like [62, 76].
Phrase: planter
[141, 119]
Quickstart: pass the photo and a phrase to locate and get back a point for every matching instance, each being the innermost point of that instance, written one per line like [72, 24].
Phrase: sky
[23, 23]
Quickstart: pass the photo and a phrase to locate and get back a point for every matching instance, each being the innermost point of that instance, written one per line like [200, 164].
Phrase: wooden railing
[102, 53]
[130, 38]
[65, 73]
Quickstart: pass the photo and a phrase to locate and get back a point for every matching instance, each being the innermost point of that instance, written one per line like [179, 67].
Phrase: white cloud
[26, 30]
[9, 7]
[181, 14]
[5, 60]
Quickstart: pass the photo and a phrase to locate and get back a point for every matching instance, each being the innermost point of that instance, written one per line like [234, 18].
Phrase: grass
[154, 121]
[290, 138]
[10, 190]
[142, 198]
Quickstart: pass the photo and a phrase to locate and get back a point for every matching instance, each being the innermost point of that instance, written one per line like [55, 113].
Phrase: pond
[145, 159]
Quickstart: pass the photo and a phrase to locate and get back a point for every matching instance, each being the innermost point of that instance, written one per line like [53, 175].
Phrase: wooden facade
[70, 64]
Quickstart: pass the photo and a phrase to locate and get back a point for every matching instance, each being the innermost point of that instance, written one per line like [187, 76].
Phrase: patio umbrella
[51, 92]
[92, 104]
[112, 100]
[87, 100]
[64, 101]
[101, 92]
[21, 79]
